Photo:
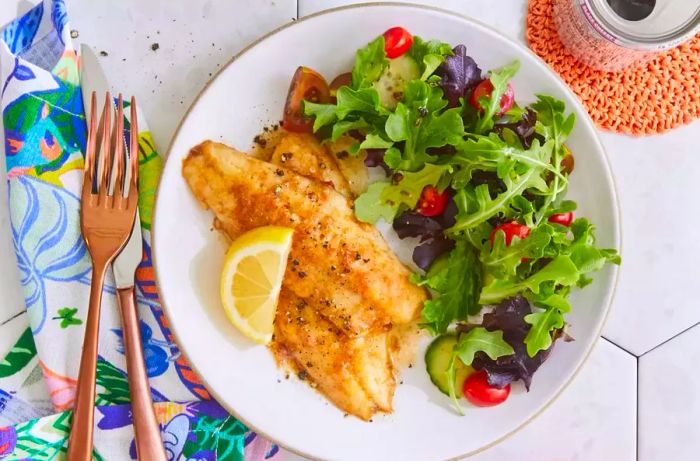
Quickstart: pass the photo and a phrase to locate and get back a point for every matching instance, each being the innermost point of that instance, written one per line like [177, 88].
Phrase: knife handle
[149, 445]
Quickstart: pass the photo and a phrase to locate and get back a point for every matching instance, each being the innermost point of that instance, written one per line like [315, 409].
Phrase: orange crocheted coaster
[651, 98]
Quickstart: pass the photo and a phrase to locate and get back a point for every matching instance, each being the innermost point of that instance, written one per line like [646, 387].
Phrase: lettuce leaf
[370, 62]
[455, 280]
[428, 55]
[383, 199]
[421, 124]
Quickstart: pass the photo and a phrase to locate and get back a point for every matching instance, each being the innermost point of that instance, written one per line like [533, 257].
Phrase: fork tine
[105, 152]
[119, 153]
[134, 151]
[88, 172]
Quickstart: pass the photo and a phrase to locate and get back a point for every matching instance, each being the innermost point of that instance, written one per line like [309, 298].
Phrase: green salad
[480, 180]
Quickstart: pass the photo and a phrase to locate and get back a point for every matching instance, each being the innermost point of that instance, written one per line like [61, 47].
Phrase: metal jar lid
[669, 22]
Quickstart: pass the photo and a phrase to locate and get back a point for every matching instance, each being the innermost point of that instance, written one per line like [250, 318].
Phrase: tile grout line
[620, 347]
[638, 400]
[670, 339]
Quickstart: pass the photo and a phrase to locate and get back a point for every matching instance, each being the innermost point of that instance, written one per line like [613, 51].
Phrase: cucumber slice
[393, 80]
[437, 359]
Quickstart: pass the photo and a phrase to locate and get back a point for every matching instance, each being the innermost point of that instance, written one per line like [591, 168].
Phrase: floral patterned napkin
[45, 136]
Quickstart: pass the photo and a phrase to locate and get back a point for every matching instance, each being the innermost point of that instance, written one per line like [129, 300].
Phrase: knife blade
[93, 78]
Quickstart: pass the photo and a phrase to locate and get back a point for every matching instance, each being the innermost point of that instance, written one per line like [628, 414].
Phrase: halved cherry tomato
[307, 85]
[397, 41]
[485, 88]
[340, 80]
[511, 229]
[432, 202]
[478, 391]
[562, 218]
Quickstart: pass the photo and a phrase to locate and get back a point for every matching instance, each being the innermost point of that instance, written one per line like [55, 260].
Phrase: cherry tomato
[478, 391]
[340, 80]
[562, 218]
[432, 202]
[567, 163]
[511, 229]
[397, 41]
[485, 88]
[307, 85]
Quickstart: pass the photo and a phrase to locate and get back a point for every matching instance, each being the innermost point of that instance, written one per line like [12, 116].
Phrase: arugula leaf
[561, 270]
[370, 206]
[455, 279]
[584, 253]
[501, 261]
[324, 114]
[552, 124]
[492, 104]
[370, 62]
[489, 152]
[476, 205]
[479, 339]
[428, 54]
[543, 323]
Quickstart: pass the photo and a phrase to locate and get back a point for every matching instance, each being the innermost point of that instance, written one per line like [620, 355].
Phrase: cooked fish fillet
[303, 154]
[337, 262]
[355, 373]
[351, 166]
[344, 323]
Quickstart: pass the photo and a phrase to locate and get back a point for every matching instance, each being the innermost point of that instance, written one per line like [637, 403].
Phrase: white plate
[248, 94]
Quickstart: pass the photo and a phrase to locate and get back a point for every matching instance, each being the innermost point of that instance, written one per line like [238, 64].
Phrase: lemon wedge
[252, 277]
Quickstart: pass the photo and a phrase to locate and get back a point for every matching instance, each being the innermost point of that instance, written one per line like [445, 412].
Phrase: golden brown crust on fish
[303, 154]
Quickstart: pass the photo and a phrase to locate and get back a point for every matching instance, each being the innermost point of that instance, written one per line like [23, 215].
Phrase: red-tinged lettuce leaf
[434, 243]
[375, 157]
[459, 74]
[414, 224]
[523, 128]
[509, 317]
[430, 249]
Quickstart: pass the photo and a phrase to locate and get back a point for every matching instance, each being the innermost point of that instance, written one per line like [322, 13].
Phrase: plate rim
[615, 203]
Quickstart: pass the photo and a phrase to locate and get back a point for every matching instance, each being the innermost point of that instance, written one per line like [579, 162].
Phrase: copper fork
[106, 220]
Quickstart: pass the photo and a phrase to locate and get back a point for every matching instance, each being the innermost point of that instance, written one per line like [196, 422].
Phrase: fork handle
[149, 445]
[80, 442]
